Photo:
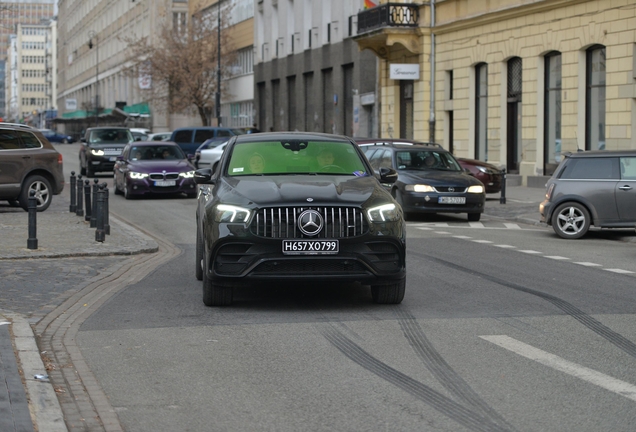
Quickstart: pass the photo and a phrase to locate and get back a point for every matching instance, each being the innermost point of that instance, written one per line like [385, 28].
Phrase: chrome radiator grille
[282, 222]
[164, 176]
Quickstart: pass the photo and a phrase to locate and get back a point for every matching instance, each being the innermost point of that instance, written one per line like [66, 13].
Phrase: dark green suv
[28, 162]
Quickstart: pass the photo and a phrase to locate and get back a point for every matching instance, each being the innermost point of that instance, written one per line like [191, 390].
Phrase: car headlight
[383, 213]
[230, 213]
[137, 176]
[476, 189]
[97, 152]
[419, 188]
[188, 174]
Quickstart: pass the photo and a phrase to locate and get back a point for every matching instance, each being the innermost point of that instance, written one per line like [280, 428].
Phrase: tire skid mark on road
[448, 407]
[442, 371]
[588, 321]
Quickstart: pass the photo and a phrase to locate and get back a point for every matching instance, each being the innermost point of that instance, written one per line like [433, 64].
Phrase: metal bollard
[106, 211]
[100, 235]
[94, 212]
[502, 198]
[87, 200]
[80, 202]
[73, 207]
[32, 242]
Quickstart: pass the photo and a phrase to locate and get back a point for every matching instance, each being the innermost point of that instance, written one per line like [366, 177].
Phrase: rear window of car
[602, 168]
[295, 157]
[29, 140]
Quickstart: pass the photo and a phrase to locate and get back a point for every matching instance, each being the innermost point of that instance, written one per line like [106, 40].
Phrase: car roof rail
[17, 125]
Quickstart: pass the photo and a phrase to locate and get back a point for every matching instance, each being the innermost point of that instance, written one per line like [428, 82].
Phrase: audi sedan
[153, 168]
[299, 207]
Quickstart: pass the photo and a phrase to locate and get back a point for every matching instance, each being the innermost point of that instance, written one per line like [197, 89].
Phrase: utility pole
[91, 35]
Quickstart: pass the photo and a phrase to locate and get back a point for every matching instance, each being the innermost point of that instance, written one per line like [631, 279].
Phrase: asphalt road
[503, 327]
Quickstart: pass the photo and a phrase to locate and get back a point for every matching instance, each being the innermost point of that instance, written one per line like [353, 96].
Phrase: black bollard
[72, 208]
[100, 235]
[32, 242]
[106, 211]
[80, 201]
[94, 212]
[502, 198]
[87, 200]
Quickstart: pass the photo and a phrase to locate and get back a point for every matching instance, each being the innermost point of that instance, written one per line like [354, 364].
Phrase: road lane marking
[476, 225]
[588, 264]
[607, 382]
[506, 246]
[621, 271]
[462, 237]
[530, 251]
[556, 257]
[512, 226]
[482, 241]
[442, 232]
[424, 228]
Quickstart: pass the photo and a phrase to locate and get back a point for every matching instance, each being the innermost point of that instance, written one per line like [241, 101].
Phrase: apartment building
[513, 82]
[97, 81]
[309, 72]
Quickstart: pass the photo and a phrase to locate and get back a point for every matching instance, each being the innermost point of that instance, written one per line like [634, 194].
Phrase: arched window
[595, 98]
[552, 113]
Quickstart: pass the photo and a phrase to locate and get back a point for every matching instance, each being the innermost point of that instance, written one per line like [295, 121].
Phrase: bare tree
[185, 62]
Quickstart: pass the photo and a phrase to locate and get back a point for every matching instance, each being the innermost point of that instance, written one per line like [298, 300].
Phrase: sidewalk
[62, 234]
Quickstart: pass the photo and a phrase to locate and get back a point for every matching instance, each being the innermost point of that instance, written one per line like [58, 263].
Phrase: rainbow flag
[369, 4]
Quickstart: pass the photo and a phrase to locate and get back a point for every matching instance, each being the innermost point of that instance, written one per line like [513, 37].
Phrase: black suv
[297, 207]
[28, 162]
[100, 148]
[591, 188]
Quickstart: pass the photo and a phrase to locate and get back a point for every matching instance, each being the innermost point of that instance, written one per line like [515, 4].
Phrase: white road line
[476, 224]
[482, 241]
[621, 271]
[512, 226]
[424, 228]
[607, 382]
[462, 237]
[588, 264]
[506, 246]
[556, 257]
[441, 232]
[530, 251]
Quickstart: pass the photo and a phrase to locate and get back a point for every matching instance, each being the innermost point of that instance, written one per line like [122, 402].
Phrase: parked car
[488, 174]
[28, 162]
[591, 188]
[159, 136]
[209, 153]
[430, 179]
[275, 211]
[100, 148]
[190, 138]
[146, 168]
[53, 136]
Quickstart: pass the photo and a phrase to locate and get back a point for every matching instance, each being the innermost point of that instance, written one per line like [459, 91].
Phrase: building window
[481, 111]
[595, 98]
[179, 22]
[552, 113]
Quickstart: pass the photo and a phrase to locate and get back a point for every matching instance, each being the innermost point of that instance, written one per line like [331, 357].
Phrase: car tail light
[59, 158]
[548, 193]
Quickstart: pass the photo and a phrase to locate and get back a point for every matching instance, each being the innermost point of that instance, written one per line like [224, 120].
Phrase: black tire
[127, 193]
[571, 220]
[43, 192]
[82, 169]
[89, 172]
[474, 217]
[14, 203]
[391, 293]
[215, 294]
[198, 268]
[192, 195]
[117, 191]
[398, 197]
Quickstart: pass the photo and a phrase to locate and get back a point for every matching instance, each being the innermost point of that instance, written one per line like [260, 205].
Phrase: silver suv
[28, 162]
[591, 188]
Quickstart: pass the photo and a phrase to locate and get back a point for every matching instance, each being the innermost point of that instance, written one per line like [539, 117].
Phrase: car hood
[476, 162]
[437, 178]
[300, 189]
[179, 165]
[102, 145]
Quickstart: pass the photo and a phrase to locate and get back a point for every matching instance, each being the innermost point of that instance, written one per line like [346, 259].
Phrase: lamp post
[217, 98]
[91, 35]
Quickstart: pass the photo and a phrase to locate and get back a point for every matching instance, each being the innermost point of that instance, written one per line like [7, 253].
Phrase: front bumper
[427, 202]
[147, 187]
[545, 210]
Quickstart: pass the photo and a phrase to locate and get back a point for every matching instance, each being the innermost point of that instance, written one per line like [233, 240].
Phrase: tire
[398, 197]
[14, 203]
[474, 217]
[89, 171]
[198, 260]
[192, 195]
[215, 294]
[127, 193]
[43, 192]
[392, 293]
[571, 220]
[82, 170]
[117, 191]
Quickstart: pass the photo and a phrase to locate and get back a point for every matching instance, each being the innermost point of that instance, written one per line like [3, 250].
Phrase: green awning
[139, 109]
[75, 114]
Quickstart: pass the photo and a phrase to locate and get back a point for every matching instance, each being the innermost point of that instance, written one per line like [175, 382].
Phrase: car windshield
[157, 152]
[110, 136]
[426, 160]
[295, 157]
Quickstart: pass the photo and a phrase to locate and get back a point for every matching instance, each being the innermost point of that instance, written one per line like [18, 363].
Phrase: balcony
[382, 26]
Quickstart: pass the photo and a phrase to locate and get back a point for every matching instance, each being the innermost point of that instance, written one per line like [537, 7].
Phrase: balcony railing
[388, 15]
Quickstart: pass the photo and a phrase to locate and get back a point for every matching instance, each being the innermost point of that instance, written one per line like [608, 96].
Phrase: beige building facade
[514, 82]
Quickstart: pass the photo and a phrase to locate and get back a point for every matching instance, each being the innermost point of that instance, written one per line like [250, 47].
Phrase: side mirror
[203, 176]
[83, 140]
[388, 175]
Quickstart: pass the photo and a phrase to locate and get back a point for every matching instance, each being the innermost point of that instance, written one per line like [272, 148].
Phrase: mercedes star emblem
[310, 222]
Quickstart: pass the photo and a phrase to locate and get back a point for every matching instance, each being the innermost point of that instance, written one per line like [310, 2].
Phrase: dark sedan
[430, 180]
[488, 174]
[56, 137]
[146, 168]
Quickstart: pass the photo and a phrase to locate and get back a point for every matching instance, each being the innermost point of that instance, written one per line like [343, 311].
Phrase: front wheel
[474, 217]
[199, 257]
[391, 293]
[571, 220]
[43, 193]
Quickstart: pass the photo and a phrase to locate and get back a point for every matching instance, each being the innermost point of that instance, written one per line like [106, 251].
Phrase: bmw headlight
[230, 213]
[188, 174]
[419, 188]
[97, 152]
[476, 189]
[137, 176]
[383, 213]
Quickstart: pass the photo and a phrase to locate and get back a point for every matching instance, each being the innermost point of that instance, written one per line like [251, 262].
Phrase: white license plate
[112, 158]
[165, 183]
[310, 247]
[451, 200]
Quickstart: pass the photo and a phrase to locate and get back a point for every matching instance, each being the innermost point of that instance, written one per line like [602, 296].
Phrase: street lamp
[217, 98]
[92, 35]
